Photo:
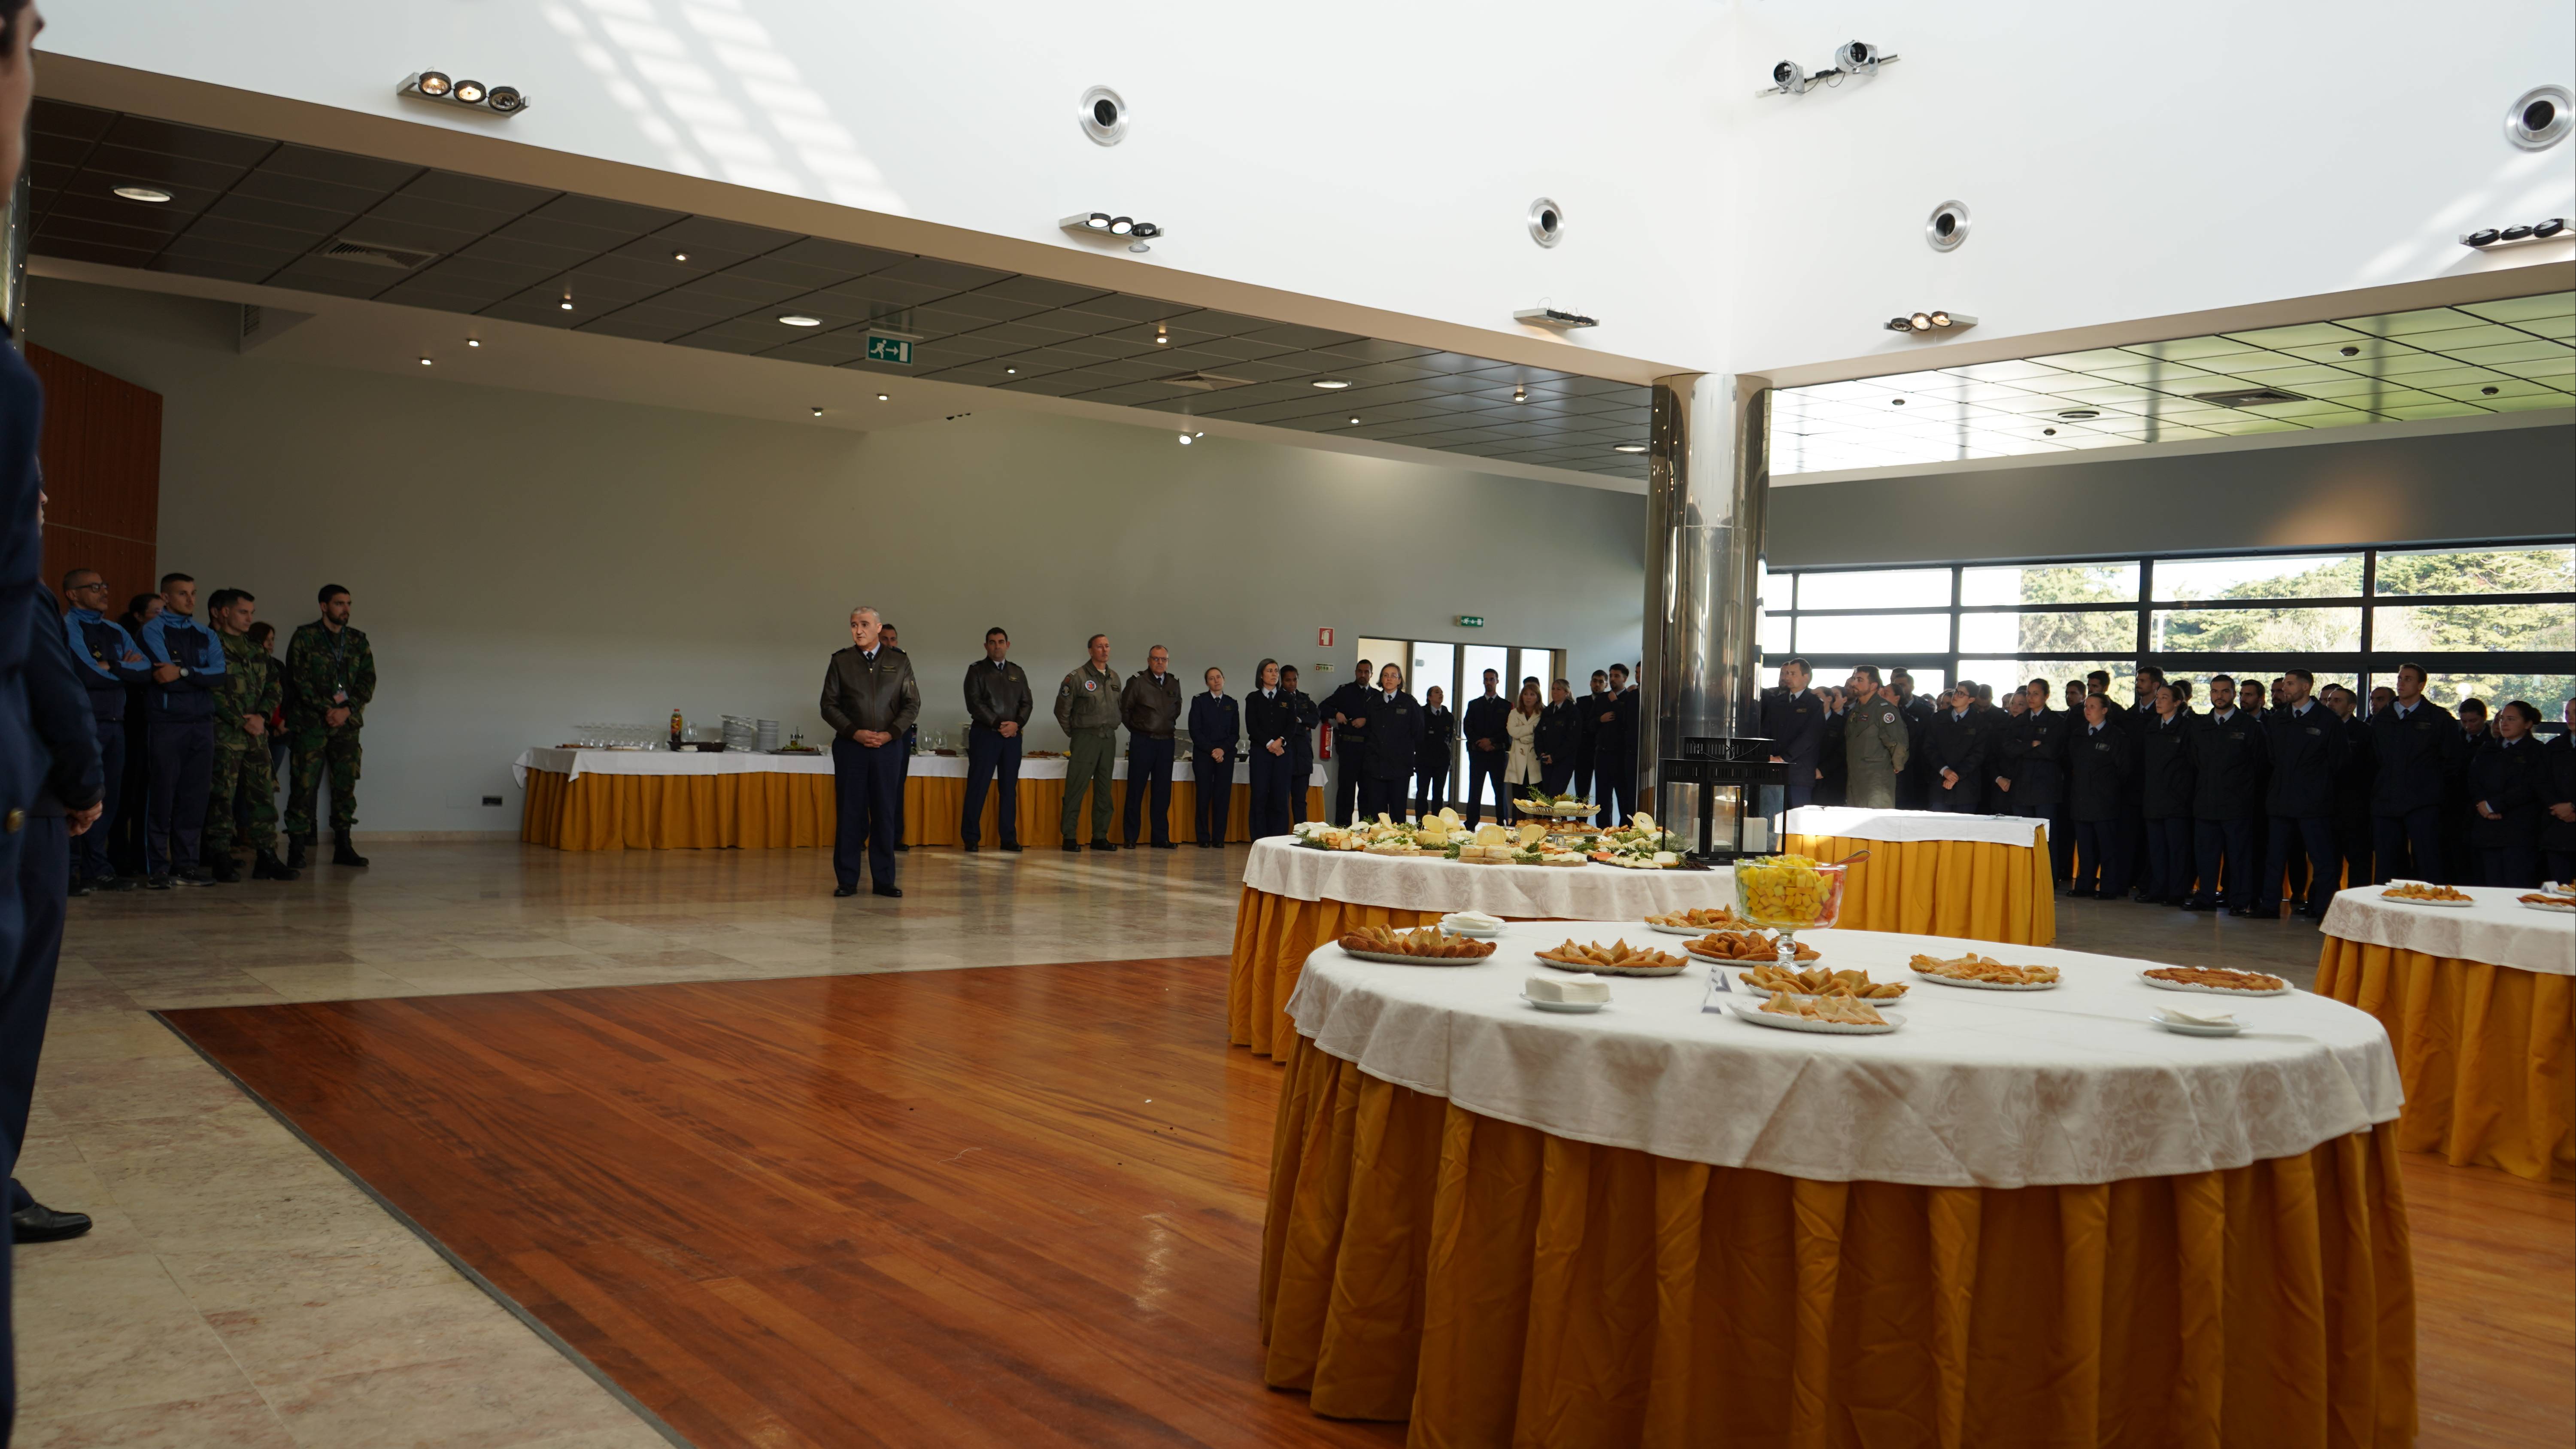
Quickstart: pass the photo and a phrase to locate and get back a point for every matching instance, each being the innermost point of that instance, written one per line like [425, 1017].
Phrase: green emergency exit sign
[897, 350]
[1471, 621]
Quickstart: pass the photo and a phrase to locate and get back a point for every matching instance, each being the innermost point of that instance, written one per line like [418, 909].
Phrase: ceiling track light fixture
[473, 95]
[1162, 335]
[1550, 317]
[1116, 228]
[1924, 324]
[149, 195]
[1854, 57]
[2514, 236]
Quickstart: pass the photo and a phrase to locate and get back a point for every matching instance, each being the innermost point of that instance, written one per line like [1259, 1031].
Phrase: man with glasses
[112, 667]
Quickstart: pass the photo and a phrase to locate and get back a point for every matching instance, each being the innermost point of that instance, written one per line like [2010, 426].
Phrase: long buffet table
[688, 800]
[2022, 1218]
[1976, 876]
[2481, 1003]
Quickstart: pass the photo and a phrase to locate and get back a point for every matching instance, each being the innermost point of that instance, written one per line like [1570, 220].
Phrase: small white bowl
[2196, 1028]
[1577, 1008]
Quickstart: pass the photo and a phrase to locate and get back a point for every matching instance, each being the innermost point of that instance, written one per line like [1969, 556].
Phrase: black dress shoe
[885, 890]
[967, 846]
[899, 845]
[1073, 845]
[848, 890]
[2199, 905]
[37, 1223]
[1012, 846]
[2245, 913]
[1167, 845]
[119, 883]
[1103, 845]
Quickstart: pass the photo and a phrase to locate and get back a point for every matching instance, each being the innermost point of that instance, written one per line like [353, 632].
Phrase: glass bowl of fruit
[1789, 894]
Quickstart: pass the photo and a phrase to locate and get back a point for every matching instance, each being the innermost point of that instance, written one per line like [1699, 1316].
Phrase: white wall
[525, 562]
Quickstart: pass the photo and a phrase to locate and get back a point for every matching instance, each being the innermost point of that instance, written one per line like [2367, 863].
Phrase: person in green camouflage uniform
[330, 676]
[245, 694]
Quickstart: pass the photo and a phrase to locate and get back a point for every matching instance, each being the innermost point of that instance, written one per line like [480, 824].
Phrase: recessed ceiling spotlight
[2048, 432]
[1627, 447]
[2350, 351]
[2079, 415]
[818, 412]
[1896, 402]
[1192, 436]
[1011, 372]
[884, 397]
[151, 194]
[424, 362]
[1355, 422]
[679, 256]
[473, 341]
[2489, 391]
[1520, 394]
[1546, 222]
[2539, 118]
[1331, 384]
[1162, 338]
[1946, 227]
[799, 319]
[1104, 116]
[566, 303]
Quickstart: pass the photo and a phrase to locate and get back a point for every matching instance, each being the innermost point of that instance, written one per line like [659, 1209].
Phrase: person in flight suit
[187, 664]
[111, 666]
[249, 692]
[1086, 709]
[1956, 744]
[1614, 751]
[1431, 764]
[1346, 710]
[330, 677]
[870, 699]
[1876, 739]
[1394, 741]
[2304, 741]
[2036, 790]
[1488, 750]
[1150, 707]
[2507, 782]
[1793, 720]
[2417, 745]
[997, 710]
[1560, 728]
[1304, 718]
[2164, 800]
[1216, 737]
[2099, 761]
[1268, 724]
[2227, 753]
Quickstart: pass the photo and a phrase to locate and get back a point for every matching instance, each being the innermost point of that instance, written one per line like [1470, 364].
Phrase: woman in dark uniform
[1439, 749]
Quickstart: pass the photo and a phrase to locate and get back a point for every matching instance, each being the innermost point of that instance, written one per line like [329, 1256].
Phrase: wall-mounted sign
[1471, 621]
[1323, 638]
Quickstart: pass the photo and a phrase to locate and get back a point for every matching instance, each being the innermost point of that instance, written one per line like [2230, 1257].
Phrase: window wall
[2495, 621]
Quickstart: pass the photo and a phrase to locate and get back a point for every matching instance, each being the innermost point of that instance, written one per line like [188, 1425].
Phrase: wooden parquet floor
[1012, 1206]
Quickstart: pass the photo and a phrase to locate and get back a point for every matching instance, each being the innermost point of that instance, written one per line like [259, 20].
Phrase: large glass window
[2494, 621]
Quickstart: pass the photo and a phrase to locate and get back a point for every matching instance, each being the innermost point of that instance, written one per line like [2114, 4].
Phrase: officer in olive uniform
[1875, 742]
[997, 706]
[244, 696]
[1086, 709]
[870, 700]
[330, 676]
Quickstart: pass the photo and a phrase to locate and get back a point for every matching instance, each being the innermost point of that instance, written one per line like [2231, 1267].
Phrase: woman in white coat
[1521, 725]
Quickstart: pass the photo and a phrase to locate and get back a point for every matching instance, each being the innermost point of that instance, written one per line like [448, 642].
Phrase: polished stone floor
[239, 1291]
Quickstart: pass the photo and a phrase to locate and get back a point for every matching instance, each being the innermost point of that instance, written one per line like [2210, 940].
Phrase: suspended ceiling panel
[2480, 358]
[250, 209]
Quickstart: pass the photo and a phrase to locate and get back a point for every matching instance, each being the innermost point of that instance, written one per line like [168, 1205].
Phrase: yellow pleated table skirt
[773, 811]
[1499, 1286]
[1971, 888]
[2487, 1053]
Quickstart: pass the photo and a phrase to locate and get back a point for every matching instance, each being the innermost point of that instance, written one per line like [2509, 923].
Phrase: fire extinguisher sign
[1323, 638]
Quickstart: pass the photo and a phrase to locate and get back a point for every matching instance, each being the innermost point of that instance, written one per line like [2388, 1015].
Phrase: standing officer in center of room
[1216, 737]
[1086, 709]
[1150, 706]
[1346, 710]
[870, 700]
[1395, 741]
[1304, 717]
[997, 708]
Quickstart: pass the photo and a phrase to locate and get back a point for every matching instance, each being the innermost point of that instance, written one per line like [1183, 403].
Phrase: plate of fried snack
[2549, 898]
[2425, 893]
[1426, 946]
[1696, 920]
[1770, 980]
[1616, 959]
[1744, 945]
[1834, 1015]
[2214, 981]
[1983, 973]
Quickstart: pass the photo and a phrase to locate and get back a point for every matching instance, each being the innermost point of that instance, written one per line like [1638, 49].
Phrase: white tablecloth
[2499, 930]
[1857, 823]
[1979, 1088]
[1419, 883]
[577, 763]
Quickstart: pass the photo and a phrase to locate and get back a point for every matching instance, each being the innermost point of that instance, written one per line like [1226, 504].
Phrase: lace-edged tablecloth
[1421, 883]
[2499, 930]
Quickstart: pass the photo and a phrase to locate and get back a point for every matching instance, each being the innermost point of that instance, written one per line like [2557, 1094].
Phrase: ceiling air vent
[1205, 381]
[342, 249]
[2248, 397]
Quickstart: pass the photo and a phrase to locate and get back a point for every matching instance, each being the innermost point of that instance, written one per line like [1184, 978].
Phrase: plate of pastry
[1424, 946]
[2214, 981]
[1829, 1015]
[1616, 959]
[2425, 893]
[1984, 973]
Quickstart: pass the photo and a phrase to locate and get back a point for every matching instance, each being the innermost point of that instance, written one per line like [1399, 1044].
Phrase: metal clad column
[1708, 479]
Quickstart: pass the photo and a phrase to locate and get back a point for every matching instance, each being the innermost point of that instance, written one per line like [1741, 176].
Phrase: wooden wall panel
[102, 457]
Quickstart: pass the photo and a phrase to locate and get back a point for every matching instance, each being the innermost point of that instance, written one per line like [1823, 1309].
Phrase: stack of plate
[738, 734]
[765, 736]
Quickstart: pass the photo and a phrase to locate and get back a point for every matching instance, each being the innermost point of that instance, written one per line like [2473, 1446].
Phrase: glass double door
[1458, 672]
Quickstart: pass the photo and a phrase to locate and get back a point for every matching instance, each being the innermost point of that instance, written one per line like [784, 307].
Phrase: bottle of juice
[677, 729]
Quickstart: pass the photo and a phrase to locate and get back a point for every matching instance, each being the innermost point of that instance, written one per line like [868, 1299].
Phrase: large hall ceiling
[2515, 355]
[249, 209]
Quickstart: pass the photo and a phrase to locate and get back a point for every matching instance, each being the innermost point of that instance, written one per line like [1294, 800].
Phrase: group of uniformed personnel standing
[2278, 791]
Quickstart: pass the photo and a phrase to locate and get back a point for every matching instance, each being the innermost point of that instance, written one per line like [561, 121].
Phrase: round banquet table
[1296, 898]
[2480, 1002]
[1980, 877]
[2023, 1218]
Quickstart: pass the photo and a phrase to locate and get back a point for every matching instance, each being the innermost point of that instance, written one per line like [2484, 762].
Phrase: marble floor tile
[239, 1420]
[286, 1342]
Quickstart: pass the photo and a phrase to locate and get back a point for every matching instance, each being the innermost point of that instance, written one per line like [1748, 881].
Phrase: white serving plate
[1744, 983]
[1392, 959]
[1685, 930]
[2281, 990]
[2553, 910]
[2190, 1028]
[1815, 960]
[1759, 1017]
[1471, 935]
[1613, 970]
[1571, 1008]
[2406, 901]
[1991, 985]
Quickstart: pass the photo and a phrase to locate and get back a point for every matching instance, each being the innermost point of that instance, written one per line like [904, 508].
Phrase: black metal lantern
[1742, 792]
